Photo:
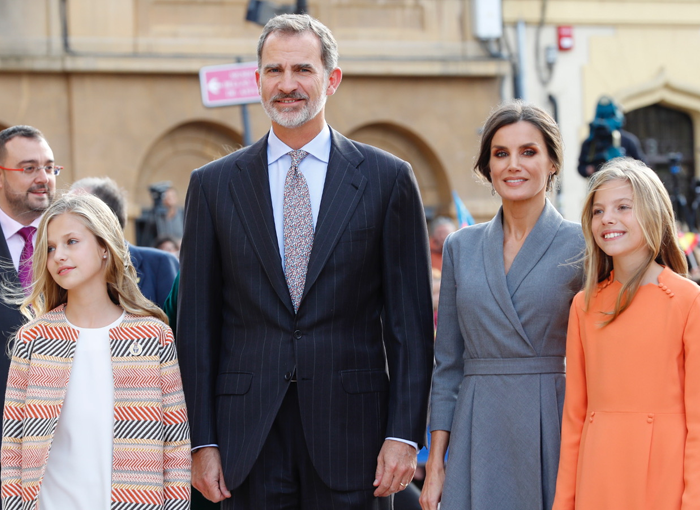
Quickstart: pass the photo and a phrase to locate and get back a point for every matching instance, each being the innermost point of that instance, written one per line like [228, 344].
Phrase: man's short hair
[108, 191]
[12, 132]
[438, 222]
[297, 24]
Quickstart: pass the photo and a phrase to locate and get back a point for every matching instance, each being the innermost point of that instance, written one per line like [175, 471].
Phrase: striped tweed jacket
[151, 452]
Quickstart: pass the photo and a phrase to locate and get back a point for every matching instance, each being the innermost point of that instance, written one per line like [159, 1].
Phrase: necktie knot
[27, 233]
[297, 156]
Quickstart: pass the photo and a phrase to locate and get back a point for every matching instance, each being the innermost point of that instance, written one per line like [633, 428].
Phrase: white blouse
[79, 470]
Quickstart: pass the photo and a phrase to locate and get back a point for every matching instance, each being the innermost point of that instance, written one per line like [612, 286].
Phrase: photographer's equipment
[146, 227]
[678, 199]
[605, 138]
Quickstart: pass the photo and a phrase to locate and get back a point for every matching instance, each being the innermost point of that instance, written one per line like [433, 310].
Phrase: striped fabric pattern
[151, 452]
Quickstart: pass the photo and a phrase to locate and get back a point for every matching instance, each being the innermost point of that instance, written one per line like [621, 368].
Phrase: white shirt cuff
[203, 446]
[415, 445]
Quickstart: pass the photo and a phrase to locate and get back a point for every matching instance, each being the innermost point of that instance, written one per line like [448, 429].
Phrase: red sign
[229, 84]
[565, 35]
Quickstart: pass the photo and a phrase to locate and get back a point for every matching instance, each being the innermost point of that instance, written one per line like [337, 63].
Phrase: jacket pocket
[233, 383]
[357, 235]
[364, 381]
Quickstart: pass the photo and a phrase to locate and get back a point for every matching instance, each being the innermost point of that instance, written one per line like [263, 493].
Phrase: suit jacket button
[297, 334]
[288, 376]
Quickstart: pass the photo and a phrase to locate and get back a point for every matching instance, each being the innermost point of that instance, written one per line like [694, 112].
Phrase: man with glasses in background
[27, 188]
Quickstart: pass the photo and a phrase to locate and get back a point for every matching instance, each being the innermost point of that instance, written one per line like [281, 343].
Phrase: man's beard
[21, 204]
[293, 117]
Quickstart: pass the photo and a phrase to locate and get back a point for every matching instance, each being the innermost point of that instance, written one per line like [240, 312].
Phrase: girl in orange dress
[631, 423]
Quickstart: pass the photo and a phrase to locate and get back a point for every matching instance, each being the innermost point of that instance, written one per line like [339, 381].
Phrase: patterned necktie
[25, 259]
[298, 228]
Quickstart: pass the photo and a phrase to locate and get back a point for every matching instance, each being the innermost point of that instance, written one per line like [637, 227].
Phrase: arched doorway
[668, 140]
[404, 144]
[183, 149]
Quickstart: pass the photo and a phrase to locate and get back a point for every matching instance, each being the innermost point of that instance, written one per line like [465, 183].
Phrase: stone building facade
[114, 83]
[114, 86]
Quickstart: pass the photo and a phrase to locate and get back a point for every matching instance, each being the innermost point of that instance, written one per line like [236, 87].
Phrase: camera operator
[165, 219]
[607, 139]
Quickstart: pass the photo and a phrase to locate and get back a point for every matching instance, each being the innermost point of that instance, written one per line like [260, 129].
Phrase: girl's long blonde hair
[120, 274]
[653, 209]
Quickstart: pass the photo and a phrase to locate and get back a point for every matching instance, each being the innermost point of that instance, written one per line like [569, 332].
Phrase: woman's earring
[550, 181]
[493, 191]
[104, 256]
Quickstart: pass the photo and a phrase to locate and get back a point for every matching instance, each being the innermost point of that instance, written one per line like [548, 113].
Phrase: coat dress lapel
[534, 247]
[250, 190]
[503, 287]
[342, 191]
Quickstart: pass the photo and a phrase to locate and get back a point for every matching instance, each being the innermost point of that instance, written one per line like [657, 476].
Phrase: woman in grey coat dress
[498, 385]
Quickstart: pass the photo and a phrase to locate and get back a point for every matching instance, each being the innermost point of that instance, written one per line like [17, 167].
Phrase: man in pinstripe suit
[307, 395]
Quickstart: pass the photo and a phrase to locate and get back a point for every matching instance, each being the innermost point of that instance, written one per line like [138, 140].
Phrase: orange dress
[631, 423]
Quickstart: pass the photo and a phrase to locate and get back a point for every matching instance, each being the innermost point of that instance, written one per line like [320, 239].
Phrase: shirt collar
[10, 226]
[319, 147]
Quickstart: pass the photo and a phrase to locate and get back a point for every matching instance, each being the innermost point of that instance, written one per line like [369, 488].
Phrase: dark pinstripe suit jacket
[361, 341]
[10, 317]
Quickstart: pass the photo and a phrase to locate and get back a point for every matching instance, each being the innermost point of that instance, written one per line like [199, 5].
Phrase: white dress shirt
[313, 167]
[15, 242]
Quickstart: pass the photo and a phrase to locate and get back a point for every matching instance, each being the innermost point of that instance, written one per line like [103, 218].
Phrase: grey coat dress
[498, 384]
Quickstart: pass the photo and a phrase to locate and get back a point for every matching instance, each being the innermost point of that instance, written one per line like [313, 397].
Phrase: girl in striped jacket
[94, 412]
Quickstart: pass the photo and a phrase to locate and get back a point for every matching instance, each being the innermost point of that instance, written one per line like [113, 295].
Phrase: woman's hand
[432, 488]
[435, 470]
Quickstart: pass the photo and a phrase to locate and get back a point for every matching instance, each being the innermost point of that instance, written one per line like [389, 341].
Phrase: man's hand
[396, 466]
[207, 475]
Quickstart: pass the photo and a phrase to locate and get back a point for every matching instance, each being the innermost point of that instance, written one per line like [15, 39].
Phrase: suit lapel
[7, 268]
[250, 189]
[534, 247]
[341, 193]
[496, 275]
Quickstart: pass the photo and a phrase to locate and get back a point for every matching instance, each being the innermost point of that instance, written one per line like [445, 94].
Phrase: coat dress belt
[515, 366]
